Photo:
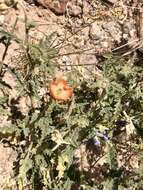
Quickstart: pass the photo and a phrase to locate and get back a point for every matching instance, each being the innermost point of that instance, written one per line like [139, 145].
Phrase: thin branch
[72, 53]
[86, 64]
[124, 45]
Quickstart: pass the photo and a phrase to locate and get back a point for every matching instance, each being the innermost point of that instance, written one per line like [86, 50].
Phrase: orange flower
[60, 90]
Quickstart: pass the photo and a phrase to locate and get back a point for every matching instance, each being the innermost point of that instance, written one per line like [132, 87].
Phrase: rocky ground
[81, 29]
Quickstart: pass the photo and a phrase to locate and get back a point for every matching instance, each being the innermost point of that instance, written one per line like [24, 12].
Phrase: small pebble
[96, 32]
[112, 1]
[1, 19]
[74, 10]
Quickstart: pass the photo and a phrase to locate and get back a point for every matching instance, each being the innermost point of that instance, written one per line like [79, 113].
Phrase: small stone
[80, 3]
[114, 30]
[96, 32]
[90, 59]
[105, 44]
[86, 8]
[57, 6]
[1, 19]
[112, 1]
[74, 10]
[3, 7]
